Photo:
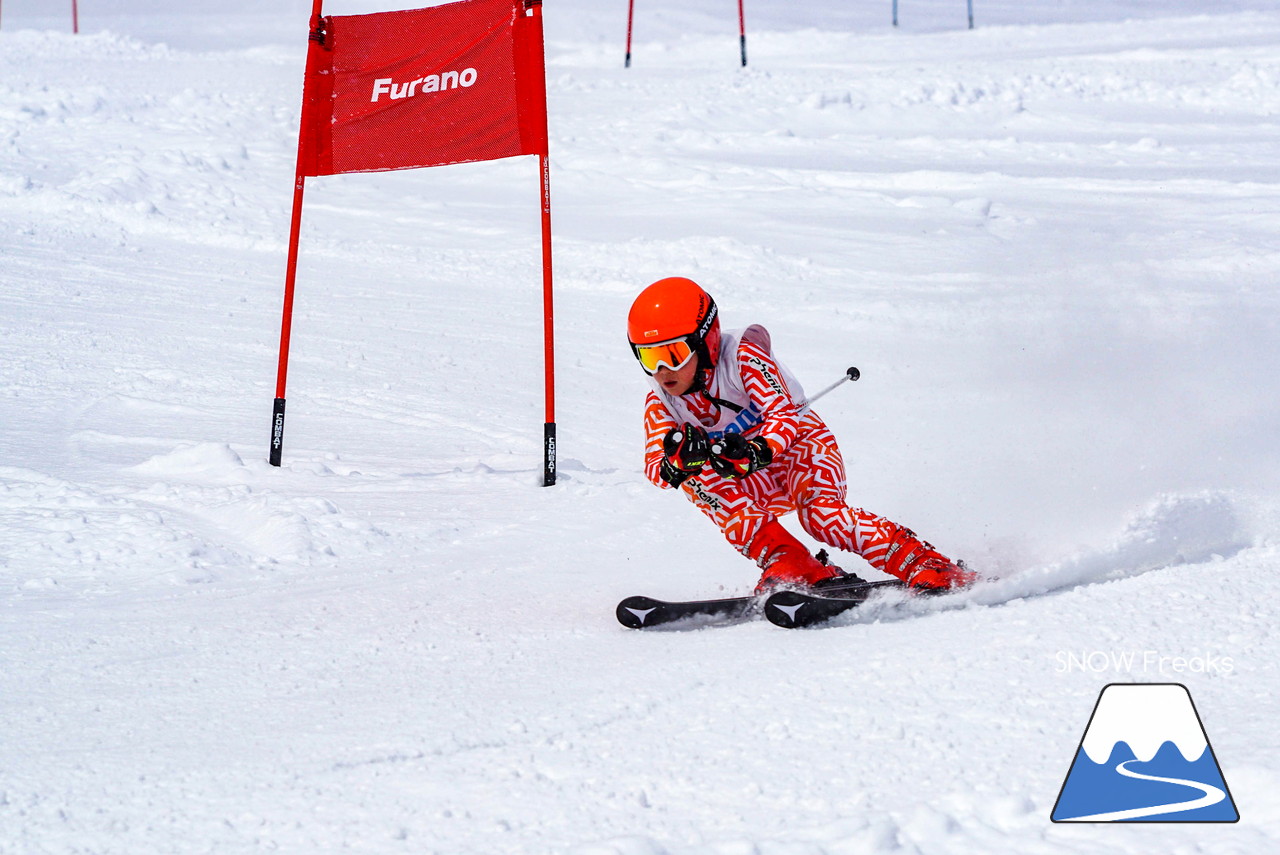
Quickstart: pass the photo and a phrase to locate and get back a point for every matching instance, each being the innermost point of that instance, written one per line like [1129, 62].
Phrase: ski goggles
[673, 354]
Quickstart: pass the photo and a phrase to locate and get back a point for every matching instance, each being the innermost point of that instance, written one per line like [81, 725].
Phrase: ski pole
[850, 373]
[802, 407]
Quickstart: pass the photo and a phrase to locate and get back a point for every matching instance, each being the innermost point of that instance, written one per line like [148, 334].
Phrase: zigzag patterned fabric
[807, 476]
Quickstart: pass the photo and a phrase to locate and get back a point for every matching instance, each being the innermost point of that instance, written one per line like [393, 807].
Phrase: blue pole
[895, 13]
[971, 14]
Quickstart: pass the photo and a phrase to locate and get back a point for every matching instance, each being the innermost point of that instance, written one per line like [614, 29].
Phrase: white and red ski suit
[749, 392]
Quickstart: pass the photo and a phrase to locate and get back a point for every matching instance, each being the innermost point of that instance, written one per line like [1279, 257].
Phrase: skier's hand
[686, 449]
[735, 457]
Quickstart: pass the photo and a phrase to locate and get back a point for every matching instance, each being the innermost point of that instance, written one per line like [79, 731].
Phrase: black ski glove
[735, 457]
[687, 449]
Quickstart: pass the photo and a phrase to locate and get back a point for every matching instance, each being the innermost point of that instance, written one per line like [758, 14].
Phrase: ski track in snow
[1048, 243]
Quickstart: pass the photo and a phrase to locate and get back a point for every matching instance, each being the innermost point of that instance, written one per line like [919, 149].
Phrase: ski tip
[645, 612]
[634, 611]
[794, 610]
[782, 609]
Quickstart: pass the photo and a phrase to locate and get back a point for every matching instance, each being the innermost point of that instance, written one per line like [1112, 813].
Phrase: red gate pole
[534, 8]
[548, 332]
[742, 33]
[631, 12]
[75, 17]
[314, 46]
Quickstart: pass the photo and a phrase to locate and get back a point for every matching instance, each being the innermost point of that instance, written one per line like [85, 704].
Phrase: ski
[794, 609]
[645, 612]
[789, 608]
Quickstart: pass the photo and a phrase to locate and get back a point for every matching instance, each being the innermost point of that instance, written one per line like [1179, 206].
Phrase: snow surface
[1050, 244]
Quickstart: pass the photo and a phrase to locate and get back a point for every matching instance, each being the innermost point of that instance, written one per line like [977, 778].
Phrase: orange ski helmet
[672, 320]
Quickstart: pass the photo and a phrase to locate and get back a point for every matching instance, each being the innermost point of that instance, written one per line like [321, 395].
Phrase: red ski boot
[785, 561]
[917, 563]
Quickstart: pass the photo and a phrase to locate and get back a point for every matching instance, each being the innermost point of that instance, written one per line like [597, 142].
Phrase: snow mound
[1173, 530]
[80, 539]
[201, 459]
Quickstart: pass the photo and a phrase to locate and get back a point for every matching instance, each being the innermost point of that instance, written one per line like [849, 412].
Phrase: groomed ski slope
[1050, 245]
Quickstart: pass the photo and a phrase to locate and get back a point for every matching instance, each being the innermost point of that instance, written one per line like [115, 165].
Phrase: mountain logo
[1145, 757]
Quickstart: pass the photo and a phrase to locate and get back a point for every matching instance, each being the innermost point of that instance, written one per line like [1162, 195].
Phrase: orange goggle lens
[673, 354]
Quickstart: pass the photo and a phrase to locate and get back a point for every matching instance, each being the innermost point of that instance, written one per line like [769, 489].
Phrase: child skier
[726, 423]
